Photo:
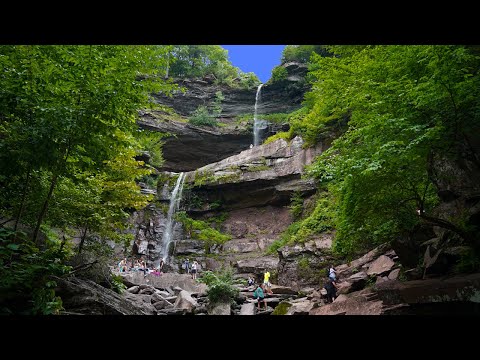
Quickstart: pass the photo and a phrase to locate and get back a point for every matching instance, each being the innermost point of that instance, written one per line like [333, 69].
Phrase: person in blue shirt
[260, 296]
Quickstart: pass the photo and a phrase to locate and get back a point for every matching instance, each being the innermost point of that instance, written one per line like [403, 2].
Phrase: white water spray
[174, 204]
[257, 123]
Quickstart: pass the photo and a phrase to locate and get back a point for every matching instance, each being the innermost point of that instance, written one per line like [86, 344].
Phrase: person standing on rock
[194, 270]
[266, 282]
[260, 296]
[332, 273]
[331, 288]
[160, 266]
[187, 266]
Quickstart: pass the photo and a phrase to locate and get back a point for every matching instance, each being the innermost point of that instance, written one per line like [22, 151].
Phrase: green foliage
[321, 219]
[202, 116]
[69, 132]
[282, 308]
[285, 135]
[151, 141]
[220, 286]
[469, 262]
[396, 106]
[196, 61]
[117, 283]
[258, 168]
[201, 230]
[151, 181]
[302, 53]
[279, 73]
[296, 204]
[26, 284]
[278, 118]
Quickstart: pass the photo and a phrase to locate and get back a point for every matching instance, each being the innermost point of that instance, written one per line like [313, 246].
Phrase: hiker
[332, 273]
[250, 281]
[260, 296]
[194, 270]
[160, 266]
[186, 265]
[331, 288]
[266, 282]
[122, 265]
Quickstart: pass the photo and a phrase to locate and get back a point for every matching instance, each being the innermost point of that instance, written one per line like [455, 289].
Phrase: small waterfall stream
[257, 123]
[175, 199]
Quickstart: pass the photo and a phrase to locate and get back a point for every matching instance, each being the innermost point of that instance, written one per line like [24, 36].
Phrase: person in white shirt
[332, 274]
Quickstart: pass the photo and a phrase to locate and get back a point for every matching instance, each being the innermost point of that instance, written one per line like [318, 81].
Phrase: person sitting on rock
[250, 281]
[331, 288]
[260, 296]
[122, 265]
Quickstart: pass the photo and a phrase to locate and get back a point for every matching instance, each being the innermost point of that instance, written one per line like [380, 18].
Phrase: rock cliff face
[263, 175]
[189, 147]
[284, 96]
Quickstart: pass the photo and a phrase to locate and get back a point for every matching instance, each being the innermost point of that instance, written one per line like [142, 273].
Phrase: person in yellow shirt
[266, 282]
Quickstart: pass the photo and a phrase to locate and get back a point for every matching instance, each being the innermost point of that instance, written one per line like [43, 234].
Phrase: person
[194, 270]
[332, 273]
[187, 266]
[122, 265]
[266, 282]
[250, 281]
[260, 296]
[251, 146]
[160, 266]
[331, 288]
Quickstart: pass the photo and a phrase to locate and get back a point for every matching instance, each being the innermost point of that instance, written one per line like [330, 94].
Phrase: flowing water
[257, 123]
[175, 199]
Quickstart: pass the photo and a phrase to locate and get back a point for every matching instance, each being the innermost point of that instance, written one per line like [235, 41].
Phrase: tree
[399, 105]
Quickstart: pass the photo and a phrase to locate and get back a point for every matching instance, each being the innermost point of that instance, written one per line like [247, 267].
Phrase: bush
[26, 284]
[220, 286]
[279, 73]
[202, 117]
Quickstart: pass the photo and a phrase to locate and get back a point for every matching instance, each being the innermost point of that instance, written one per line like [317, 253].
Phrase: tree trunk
[44, 208]
[168, 66]
[22, 204]
[447, 225]
[82, 241]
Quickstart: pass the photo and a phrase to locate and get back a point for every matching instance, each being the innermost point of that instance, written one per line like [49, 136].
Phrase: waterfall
[174, 204]
[257, 123]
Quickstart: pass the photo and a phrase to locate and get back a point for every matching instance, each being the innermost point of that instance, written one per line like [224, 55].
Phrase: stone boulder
[355, 304]
[185, 301]
[278, 289]
[380, 266]
[300, 307]
[461, 289]
[353, 283]
[257, 265]
[87, 297]
[263, 175]
[247, 309]
[220, 309]
[164, 282]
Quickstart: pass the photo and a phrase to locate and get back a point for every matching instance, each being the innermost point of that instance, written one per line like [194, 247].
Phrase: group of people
[191, 268]
[140, 265]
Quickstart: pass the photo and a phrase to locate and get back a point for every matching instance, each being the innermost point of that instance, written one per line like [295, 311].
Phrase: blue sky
[260, 59]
